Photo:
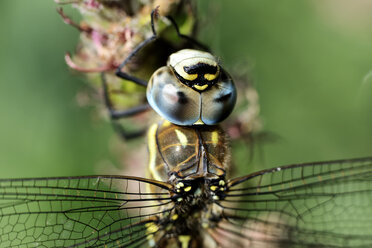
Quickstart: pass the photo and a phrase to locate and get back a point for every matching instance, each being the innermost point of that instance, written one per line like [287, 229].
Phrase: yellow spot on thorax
[174, 217]
[215, 138]
[213, 187]
[185, 240]
[152, 228]
[187, 189]
[166, 123]
[152, 146]
[181, 137]
[205, 224]
[180, 185]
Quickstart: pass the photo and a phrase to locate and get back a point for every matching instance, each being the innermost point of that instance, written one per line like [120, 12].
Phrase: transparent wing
[92, 211]
[326, 204]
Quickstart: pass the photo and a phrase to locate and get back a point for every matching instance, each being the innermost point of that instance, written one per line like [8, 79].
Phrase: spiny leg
[125, 75]
[154, 36]
[118, 114]
[186, 37]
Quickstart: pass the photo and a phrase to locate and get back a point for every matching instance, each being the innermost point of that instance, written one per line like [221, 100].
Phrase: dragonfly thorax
[183, 153]
[197, 194]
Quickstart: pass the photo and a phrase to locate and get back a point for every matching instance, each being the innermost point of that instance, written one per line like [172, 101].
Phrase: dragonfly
[324, 204]
[188, 198]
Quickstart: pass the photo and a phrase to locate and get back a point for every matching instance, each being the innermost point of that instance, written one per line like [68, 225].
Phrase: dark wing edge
[94, 211]
[322, 204]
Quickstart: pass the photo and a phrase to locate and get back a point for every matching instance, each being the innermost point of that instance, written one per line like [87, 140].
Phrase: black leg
[154, 36]
[188, 38]
[124, 75]
[118, 114]
[127, 135]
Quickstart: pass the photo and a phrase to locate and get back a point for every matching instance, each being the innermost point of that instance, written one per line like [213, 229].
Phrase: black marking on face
[200, 80]
[200, 69]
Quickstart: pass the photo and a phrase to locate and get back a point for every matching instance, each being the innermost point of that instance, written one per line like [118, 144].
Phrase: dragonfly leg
[186, 37]
[125, 75]
[127, 135]
[119, 114]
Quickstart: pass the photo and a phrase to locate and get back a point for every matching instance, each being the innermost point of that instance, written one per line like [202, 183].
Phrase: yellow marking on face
[179, 69]
[179, 199]
[215, 140]
[152, 146]
[185, 240]
[174, 217]
[213, 187]
[200, 87]
[151, 236]
[210, 77]
[222, 189]
[215, 197]
[189, 77]
[187, 189]
[199, 122]
[181, 137]
[221, 182]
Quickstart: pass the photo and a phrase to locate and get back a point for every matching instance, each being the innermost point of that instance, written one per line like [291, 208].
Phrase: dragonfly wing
[92, 211]
[326, 204]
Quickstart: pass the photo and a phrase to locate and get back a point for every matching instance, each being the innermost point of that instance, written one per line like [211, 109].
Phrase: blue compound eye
[219, 101]
[172, 100]
[192, 90]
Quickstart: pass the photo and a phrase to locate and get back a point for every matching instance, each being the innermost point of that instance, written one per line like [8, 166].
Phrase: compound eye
[173, 101]
[219, 101]
[172, 96]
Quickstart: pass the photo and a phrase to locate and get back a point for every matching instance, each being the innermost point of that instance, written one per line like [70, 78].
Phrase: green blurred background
[311, 62]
